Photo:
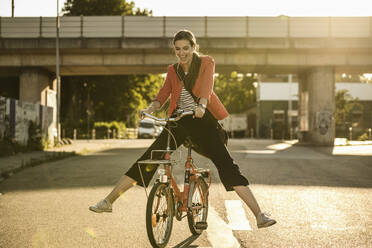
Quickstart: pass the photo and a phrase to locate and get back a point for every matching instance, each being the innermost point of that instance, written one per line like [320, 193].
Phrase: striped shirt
[185, 101]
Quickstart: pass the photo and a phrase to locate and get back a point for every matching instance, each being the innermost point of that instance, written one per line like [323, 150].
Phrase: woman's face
[184, 51]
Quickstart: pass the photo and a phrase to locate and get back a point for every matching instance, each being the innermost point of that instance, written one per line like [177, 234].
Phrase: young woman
[189, 83]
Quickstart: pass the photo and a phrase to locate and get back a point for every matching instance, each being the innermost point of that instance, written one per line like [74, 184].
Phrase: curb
[34, 162]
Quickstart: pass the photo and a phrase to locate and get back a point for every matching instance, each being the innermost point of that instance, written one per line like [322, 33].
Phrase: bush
[34, 137]
[363, 137]
[10, 147]
[6, 148]
[103, 129]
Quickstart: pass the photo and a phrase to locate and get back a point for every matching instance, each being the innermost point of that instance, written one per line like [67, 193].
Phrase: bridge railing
[148, 26]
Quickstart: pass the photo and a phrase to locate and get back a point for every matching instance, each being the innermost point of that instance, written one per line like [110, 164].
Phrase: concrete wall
[15, 118]
[162, 26]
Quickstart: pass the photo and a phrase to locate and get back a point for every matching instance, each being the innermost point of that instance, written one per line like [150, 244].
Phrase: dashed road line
[236, 215]
[219, 234]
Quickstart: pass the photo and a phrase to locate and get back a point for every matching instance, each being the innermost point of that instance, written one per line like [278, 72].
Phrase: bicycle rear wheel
[197, 211]
[159, 215]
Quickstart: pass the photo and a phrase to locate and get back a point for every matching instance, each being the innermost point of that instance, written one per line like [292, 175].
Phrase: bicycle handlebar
[171, 119]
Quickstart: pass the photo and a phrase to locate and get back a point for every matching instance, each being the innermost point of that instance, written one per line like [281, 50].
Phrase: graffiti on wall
[323, 121]
[4, 121]
[16, 116]
[25, 113]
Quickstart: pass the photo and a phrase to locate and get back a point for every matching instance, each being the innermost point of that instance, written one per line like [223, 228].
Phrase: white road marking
[236, 215]
[219, 234]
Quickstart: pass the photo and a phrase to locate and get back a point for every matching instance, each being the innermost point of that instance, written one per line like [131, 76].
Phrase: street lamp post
[58, 76]
[289, 112]
[12, 8]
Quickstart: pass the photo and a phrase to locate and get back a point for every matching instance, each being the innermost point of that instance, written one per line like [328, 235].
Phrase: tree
[345, 106]
[106, 98]
[236, 91]
[102, 8]
[87, 99]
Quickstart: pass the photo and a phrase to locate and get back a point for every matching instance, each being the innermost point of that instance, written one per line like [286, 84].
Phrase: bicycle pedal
[201, 225]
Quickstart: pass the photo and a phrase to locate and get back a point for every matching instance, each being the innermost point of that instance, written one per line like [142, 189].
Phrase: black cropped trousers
[202, 133]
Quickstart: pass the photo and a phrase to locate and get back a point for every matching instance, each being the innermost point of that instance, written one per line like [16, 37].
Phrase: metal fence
[213, 27]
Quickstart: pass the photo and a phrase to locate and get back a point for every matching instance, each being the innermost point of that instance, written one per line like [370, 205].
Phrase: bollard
[75, 133]
[271, 133]
[350, 133]
[94, 133]
[252, 133]
[108, 133]
[369, 134]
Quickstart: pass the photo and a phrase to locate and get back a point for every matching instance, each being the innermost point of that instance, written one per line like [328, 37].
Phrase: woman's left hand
[199, 112]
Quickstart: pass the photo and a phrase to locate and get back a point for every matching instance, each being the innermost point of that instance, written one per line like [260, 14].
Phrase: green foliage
[363, 137]
[236, 91]
[102, 8]
[89, 99]
[104, 129]
[10, 147]
[86, 100]
[34, 141]
[45, 142]
[6, 148]
[345, 105]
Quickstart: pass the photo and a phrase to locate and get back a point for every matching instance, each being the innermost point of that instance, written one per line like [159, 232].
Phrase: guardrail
[213, 27]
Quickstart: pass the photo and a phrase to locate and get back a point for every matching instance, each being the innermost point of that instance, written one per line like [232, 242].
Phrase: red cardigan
[203, 88]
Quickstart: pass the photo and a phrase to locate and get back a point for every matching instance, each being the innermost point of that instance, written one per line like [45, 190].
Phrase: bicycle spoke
[161, 216]
[198, 208]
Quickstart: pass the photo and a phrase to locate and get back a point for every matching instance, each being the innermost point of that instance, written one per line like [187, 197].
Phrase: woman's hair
[186, 35]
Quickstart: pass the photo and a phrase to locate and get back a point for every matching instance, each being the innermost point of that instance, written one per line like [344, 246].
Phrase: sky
[212, 7]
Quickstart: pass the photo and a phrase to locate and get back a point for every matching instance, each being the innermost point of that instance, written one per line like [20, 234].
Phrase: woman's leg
[245, 193]
[123, 185]
[228, 171]
[133, 177]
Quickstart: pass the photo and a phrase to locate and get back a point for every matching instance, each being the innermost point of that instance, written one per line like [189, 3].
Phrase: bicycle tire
[194, 216]
[161, 216]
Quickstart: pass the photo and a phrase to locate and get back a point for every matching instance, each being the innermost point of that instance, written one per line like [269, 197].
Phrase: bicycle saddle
[188, 143]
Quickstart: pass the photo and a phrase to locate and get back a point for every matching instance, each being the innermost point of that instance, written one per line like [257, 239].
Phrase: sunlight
[271, 149]
[259, 8]
[354, 150]
[368, 76]
[280, 146]
[91, 232]
[256, 151]
[236, 215]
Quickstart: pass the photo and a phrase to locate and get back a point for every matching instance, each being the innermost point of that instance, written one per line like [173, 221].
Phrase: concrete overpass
[314, 48]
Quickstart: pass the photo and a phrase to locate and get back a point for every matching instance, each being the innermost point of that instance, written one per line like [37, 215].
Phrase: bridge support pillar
[317, 106]
[33, 85]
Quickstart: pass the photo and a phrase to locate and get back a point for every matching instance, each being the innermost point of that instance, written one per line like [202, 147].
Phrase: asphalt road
[320, 198]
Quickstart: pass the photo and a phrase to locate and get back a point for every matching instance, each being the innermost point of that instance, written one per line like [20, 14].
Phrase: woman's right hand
[151, 108]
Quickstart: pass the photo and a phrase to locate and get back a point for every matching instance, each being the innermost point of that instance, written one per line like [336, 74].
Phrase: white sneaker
[102, 206]
[264, 221]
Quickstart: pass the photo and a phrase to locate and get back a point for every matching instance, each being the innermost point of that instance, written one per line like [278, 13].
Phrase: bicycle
[166, 200]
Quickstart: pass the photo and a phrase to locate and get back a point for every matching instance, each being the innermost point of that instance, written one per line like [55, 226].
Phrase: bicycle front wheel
[198, 206]
[159, 215]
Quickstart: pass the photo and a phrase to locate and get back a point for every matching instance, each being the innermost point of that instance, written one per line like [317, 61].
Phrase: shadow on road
[291, 166]
[187, 242]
